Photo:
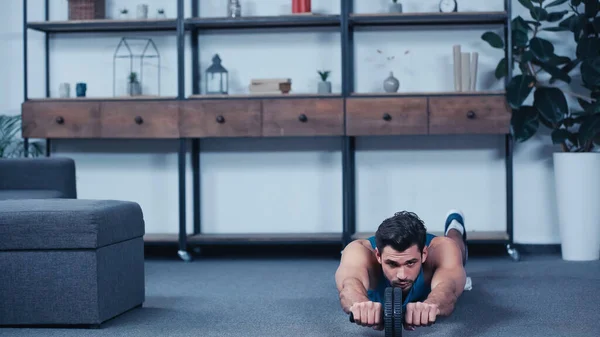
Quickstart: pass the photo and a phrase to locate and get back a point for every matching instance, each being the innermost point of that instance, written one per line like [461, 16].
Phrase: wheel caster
[185, 256]
[513, 252]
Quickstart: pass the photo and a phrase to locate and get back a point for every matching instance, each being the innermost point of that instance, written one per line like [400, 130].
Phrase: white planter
[577, 179]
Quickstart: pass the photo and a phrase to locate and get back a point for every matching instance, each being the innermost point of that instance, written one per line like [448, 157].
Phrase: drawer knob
[302, 118]
[60, 120]
[387, 117]
[220, 119]
[138, 120]
[471, 114]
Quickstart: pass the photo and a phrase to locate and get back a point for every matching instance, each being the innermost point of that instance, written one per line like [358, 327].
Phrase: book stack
[465, 70]
[269, 86]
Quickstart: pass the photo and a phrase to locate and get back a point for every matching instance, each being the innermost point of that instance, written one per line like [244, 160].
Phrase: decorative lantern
[217, 78]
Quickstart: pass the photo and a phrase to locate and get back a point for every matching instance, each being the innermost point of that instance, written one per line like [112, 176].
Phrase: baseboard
[538, 249]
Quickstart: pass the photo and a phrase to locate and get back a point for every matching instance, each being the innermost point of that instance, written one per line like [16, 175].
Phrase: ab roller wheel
[392, 312]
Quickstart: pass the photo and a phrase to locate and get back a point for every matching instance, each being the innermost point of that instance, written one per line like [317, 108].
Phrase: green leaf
[590, 72]
[527, 56]
[524, 123]
[520, 24]
[559, 136]
[588, 47]
[590, 128]
[570, 23]
[591, 8]
[551, 103]
[527, 4]
[542, 49]
[493, 39]
[576, 2]
[539, 14]
[520, 38]
[518, 90]
[570, 66]
[589, 108]
[555, 3]
[501, 68]
[596, 25]
[556, 73]
[556, 16]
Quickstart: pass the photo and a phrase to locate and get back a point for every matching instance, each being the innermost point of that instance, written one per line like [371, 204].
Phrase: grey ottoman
[69, 261]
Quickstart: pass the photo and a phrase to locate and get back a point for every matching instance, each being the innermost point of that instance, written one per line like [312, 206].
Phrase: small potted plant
[135, 88]
[395, 7]
[324, 85]
[11, 144]
[160, 14]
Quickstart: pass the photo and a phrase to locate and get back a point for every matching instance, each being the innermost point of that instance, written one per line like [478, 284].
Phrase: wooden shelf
[429, 94]
[398, 19]
[279, 21]
[472, 236]
[253, 238]
[94, 99]
[266, 95]
[107, 25]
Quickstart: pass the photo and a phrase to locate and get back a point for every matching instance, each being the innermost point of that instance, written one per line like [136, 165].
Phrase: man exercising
[429, 269]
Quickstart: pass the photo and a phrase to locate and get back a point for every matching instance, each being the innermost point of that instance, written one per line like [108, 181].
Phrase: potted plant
[12, 146]
[135, 88]
[544, 76]
[324, 85]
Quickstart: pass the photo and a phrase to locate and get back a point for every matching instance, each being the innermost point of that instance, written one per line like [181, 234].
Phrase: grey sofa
[65, 261]
[37, 178]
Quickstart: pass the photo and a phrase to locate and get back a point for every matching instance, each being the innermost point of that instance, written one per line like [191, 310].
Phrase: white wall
[293, 185]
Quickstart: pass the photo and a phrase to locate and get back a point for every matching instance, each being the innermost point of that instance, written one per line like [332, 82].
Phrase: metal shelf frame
[345, 23]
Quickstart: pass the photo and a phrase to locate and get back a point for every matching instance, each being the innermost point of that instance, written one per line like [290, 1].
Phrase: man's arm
[354, 273]
[449, 277]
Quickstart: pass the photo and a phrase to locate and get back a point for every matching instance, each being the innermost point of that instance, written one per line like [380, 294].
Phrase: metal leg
[183, 254]
[513, 252]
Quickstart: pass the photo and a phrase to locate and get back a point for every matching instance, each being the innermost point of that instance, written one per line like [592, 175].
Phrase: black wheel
[398, 314]
[388, 312]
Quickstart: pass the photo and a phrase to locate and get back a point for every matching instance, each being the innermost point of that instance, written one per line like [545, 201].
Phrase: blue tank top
[418, 292]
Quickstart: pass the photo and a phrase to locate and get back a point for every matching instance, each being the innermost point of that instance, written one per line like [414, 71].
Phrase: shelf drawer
[140, 119]
[470, 114]
[302, 117]
[220, 118]
[386, 116]
[61, 119]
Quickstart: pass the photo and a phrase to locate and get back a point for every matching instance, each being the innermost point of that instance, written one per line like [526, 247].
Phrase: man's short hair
[401, 231]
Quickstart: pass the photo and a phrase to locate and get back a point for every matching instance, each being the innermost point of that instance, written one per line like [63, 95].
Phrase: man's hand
[420, 314]
[368, 314]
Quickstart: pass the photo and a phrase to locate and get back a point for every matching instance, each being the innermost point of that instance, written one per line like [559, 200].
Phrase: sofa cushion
[33, 224]
[30, 194]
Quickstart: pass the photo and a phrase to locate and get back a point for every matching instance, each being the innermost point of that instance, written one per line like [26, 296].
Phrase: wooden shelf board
[258, 238]
[274, 21]
[267, 95]
[472, 236]
[118, 98]
[431, 94]
[428, 18]
[103, 25]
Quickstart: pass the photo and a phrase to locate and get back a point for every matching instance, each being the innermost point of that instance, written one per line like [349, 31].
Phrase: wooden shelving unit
[347, 114]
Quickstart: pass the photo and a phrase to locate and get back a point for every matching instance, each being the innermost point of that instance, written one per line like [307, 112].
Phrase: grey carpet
[539, 296]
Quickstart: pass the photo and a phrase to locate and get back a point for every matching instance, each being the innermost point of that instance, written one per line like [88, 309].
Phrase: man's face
[401, 268]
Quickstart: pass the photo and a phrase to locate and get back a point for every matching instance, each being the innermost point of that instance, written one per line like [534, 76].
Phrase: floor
[538, 296]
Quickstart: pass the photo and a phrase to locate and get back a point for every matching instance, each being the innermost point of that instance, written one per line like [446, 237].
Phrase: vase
[391, 84]
[80, 89]
[395, 7]
[577, 185]
[135, 89]
[324, 87]
[234, 9]
[142, 11]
